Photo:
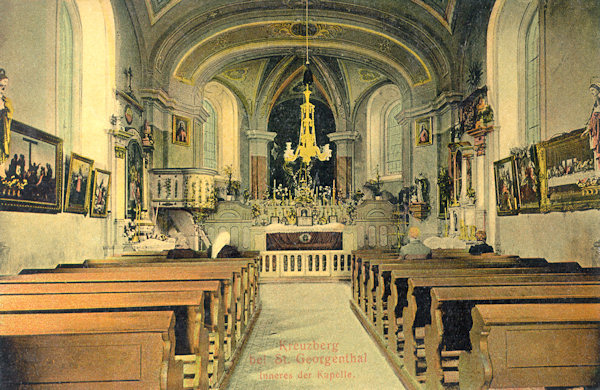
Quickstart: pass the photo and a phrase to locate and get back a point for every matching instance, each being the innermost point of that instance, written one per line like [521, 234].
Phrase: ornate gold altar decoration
[307, 146]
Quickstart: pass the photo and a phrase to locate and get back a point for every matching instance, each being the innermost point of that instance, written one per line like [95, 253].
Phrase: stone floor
[307, 337]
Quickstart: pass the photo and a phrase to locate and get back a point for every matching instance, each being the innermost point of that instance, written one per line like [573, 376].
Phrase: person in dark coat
[481, 246]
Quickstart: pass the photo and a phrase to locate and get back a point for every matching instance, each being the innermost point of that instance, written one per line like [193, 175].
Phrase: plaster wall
[572, 42]
[28, 47]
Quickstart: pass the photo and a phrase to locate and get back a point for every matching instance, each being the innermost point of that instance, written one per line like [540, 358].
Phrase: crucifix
[31, 142]
[128, 76]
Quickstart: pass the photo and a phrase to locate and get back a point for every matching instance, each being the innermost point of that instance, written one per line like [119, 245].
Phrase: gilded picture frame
[567, 176]
[38, 188]
[182, 130]
[507, 196]
[77, 198]
[100, 194]
[424, 131]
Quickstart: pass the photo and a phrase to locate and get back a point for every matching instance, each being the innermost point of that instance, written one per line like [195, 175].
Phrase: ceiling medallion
[368, 75]
[237, 74]
[300, 30]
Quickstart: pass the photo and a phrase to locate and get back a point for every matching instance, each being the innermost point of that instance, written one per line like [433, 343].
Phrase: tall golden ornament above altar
[307, 146]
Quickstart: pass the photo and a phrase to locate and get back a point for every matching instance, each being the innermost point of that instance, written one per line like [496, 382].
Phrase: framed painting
[568, 180]
[77, 198]
[528, 181]
[507, 196]
[135, 179]
[423, 131]
[100, 194]
[32, 179]
[182, 130]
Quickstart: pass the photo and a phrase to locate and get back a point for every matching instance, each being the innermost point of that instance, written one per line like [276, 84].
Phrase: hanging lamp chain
[306, 32]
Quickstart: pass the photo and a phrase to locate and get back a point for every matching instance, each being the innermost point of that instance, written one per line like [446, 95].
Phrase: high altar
[302, 231]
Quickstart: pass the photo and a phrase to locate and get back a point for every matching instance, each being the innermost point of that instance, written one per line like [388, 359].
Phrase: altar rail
[282, 264]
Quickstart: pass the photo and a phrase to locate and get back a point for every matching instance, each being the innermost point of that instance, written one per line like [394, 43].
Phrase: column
[343, 164]
[259, 161]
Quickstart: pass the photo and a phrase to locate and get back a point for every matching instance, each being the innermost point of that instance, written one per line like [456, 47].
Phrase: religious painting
[135, 178]
[507, 194]
[182, 130]
[32, 179]
[570, 180]
[78, 184]
[423, 131]
[528, 179]
[100, 193]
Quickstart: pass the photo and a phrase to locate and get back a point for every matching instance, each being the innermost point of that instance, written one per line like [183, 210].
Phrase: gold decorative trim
[296, 30]
[120, 152]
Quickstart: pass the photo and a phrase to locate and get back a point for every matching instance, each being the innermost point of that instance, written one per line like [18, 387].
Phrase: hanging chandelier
[307, 146]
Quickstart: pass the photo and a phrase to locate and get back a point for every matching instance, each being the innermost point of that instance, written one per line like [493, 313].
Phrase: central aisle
[307, 337]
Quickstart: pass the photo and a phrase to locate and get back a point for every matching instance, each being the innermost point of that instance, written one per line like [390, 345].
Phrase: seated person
[481, 246]
[415, 248]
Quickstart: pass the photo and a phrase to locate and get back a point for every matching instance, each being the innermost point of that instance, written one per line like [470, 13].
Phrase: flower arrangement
[233, 186]
[374, 185]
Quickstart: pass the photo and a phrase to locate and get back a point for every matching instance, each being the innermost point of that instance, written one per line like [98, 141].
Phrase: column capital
[258, 135]
[341, 136]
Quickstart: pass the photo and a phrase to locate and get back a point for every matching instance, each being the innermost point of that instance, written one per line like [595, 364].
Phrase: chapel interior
[315, 139]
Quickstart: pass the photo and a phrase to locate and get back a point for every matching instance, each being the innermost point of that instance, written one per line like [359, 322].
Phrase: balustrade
[278, 264]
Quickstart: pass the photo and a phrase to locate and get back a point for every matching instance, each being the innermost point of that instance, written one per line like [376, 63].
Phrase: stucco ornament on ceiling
[298, 30]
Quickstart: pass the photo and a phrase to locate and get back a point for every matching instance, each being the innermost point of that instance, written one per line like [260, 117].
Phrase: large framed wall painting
[507, 196]
[32, 179]
[100, 193]
[528, 181]
[568, 180]
[77, 198]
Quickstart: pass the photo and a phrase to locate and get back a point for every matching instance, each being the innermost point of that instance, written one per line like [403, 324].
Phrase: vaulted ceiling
[256, 46]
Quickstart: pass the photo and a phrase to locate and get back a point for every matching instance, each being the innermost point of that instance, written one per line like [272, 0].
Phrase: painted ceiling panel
[358, 79]
[244, 78]
[342, 37]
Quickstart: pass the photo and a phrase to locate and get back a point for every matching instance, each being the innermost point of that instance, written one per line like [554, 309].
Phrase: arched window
[393, 142]
[532, 82]
[66, 77]
[209, 138]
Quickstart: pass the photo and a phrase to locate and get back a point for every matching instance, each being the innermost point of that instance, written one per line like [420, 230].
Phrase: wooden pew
[244, 296]
[397, 299]
[201, 310]
[448, 334]
[239, 312]
[374, 300]
[371, 271]
[131, 261]
[125, 350]
[152, 274]
[416, 314]
[533, 345]
[357, 256]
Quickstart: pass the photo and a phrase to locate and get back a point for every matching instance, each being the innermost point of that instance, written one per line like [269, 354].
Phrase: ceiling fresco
[358, 80]
[244, 79]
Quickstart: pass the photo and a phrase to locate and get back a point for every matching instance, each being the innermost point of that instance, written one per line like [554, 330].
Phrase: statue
[593, 125]
[6, 114]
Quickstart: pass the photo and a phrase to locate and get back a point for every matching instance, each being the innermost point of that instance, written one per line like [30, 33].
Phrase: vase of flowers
[374, 185]
[233, 186]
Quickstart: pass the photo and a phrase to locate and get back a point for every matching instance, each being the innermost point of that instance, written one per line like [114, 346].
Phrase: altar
[301, 251]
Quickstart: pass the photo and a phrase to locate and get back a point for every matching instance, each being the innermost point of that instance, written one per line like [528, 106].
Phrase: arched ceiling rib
[407, 46]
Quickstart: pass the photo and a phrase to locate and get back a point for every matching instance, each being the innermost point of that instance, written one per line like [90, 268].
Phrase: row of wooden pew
[475, 322]
[128, 322]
